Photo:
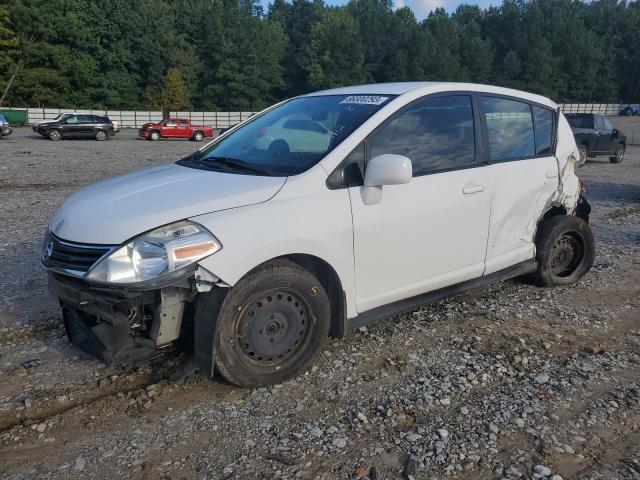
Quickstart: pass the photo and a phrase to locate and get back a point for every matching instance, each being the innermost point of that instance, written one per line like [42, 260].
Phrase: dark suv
[5, 126]
[77, 126]
[597, 137]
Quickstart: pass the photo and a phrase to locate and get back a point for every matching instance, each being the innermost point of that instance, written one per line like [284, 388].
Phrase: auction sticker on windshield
[365, 99]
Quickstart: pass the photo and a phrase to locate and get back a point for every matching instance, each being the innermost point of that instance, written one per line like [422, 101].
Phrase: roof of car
[400, 88]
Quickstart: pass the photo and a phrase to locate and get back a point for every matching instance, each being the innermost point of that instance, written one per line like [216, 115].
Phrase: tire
[565, 251]
[101, 135]
[584, 154]
[619, 154]
[54, 134]
[197, 137]
[155, 135]
[271, 325]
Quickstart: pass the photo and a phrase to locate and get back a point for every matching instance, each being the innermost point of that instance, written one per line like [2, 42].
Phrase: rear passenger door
[523, 176]
[183, 130]
[606, 142]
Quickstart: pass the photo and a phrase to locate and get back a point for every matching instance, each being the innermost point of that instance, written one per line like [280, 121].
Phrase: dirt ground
[508, 381]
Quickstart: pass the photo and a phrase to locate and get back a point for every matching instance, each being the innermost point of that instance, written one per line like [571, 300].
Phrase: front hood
[114, 210]
[43, 122]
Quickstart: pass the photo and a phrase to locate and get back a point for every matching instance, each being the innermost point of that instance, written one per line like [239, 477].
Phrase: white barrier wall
[136, 118]
[214, 119]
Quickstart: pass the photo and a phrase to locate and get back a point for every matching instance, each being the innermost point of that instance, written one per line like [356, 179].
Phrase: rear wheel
[101, 135]
[565, 250]
[618, 155]
[54, 134]
[584, 153]
[272, 325]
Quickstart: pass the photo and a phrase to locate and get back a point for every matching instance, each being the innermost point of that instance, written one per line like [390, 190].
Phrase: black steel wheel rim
[273, 326]
[566, 254]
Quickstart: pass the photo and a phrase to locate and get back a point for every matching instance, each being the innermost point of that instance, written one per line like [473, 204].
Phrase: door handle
[473, 189]
[552, 173]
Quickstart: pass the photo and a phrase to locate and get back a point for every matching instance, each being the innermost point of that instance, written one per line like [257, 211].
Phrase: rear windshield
[580, 121]
[290, 138]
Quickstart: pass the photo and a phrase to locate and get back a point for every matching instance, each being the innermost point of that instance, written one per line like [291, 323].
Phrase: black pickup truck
[597, 137]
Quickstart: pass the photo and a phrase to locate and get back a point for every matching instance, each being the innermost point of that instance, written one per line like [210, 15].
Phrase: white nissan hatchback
[255, 251]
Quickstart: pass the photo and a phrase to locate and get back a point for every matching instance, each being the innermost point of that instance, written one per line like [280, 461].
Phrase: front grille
[71, 257]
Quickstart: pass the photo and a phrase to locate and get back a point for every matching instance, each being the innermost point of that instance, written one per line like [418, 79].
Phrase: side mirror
[615, 132]
[386, 169]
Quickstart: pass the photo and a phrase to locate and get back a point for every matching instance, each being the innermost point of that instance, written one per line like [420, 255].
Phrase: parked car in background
[266, 248]
[597, 137]
[77, 126]
[5, 126]
[175, 128]
[631, 110]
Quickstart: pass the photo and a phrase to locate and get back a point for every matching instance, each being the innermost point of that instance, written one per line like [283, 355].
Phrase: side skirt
[409, 304]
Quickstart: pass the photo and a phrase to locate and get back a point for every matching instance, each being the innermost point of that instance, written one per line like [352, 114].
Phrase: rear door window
[510, 128]
[183, 123]
[544, 120]
[435, 134]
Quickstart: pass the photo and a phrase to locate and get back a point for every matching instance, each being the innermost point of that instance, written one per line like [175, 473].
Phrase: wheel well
[331, 284]
[552, 212]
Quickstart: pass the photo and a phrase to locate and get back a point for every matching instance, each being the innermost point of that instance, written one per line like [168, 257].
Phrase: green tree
[338, 54]
[174, 94]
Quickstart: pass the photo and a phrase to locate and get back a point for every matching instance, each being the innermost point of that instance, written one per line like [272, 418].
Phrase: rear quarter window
[544, 120]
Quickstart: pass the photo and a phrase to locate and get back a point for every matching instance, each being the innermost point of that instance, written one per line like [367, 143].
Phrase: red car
[175, 128]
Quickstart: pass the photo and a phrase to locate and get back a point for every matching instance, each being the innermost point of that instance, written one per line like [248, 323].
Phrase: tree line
[235, 55]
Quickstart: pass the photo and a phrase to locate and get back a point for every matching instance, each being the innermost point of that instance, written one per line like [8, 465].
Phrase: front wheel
[272, 325]
[565, 250]
[618, 155]
[55, 135]
[155, 135]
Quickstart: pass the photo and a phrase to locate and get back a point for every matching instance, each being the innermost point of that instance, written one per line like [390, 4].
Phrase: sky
[421, 8]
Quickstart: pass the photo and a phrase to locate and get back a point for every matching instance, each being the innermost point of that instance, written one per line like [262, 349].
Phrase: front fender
[303, 218]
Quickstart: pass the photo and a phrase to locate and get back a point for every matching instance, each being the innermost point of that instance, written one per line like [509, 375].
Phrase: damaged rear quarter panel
[520, 193]
[567, 154]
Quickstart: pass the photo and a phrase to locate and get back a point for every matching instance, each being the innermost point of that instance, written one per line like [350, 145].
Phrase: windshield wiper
[234, 164]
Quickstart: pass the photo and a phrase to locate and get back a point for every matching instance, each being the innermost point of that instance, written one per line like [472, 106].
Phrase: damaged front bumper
[119, 325]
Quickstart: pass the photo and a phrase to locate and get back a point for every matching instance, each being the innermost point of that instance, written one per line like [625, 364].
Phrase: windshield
[580, 121]
[291, 138]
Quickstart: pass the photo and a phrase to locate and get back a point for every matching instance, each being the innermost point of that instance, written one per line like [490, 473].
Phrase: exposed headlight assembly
[158, 253]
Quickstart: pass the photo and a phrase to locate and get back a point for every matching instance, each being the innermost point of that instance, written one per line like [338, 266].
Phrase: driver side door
[432, 232]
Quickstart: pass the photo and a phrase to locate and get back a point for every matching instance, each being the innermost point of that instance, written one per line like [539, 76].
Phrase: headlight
[154, 254]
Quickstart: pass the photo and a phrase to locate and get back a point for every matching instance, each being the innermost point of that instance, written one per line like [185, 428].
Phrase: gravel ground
[509, 381]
